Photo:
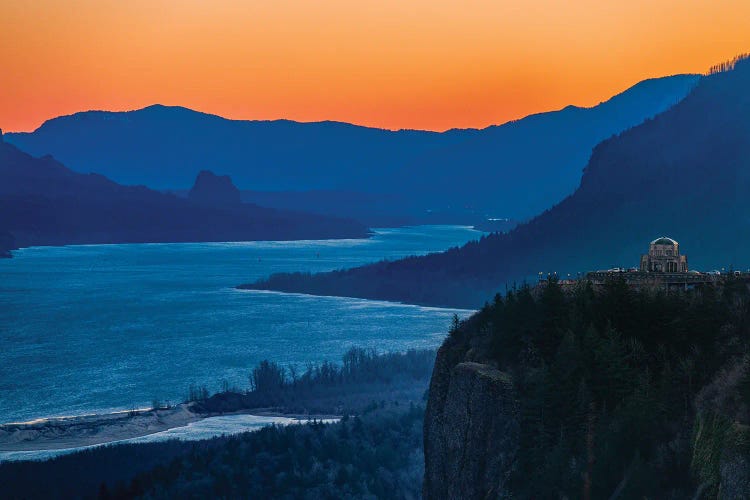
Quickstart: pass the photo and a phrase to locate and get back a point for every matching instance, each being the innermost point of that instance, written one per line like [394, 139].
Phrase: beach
[74, 432]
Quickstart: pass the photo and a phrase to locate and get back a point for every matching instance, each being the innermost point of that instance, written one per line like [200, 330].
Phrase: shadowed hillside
[513, 170]
[44, 203]
[685, 173]
[524, 167]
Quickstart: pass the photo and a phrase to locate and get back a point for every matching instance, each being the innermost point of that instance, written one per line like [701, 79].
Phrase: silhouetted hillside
[44, 203]
[685, 173]
[514, 170]
[524, 167]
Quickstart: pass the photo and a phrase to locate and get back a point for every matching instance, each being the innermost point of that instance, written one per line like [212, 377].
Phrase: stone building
[664, 257]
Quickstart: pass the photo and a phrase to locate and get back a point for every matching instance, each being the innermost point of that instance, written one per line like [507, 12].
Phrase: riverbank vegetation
[375, 450]
[377, 454]
[363, 376]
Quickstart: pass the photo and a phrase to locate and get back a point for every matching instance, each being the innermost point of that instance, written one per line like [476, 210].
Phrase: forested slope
[684, 173]
[612, 393]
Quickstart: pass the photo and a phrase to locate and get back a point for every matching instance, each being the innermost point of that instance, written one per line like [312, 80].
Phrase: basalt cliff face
[212, 189]
[471, 428]
[604, 392]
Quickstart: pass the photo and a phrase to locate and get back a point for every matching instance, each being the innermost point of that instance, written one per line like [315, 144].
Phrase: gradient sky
[426, 64]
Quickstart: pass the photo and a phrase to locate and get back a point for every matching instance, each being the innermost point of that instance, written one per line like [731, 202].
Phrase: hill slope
[478, 171]
[44, 203]
[524, 167]
[685, 173]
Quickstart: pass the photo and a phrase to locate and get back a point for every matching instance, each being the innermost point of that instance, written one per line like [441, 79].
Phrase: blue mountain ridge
[44, 203]
[513, 170]
[684, 173]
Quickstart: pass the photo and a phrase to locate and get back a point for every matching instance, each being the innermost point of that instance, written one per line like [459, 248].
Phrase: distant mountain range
[509, 171]
[44, 203]
[684, 173]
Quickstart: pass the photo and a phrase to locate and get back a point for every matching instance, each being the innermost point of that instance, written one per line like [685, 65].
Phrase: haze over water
[96, 328]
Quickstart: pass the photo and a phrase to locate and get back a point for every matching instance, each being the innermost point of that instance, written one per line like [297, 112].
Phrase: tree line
[616, 385]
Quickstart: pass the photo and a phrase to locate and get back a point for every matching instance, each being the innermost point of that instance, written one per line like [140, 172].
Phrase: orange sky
[427, 64]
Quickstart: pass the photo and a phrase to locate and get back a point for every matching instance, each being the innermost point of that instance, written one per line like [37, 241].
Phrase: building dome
[664, 257]
[664, 241]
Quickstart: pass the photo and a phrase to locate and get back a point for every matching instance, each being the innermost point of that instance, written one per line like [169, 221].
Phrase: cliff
[613, 393]
[471, 427]
[721, 438]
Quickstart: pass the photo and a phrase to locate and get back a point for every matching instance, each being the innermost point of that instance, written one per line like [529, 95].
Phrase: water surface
[96, 328]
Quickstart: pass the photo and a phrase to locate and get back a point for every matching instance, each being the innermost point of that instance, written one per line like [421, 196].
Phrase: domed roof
[664, 241]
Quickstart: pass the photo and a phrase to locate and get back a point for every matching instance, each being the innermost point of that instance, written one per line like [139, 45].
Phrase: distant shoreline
[7, 252]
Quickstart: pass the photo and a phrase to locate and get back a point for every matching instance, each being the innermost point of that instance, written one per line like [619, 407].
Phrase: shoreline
[7, 253]
[63, 433]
